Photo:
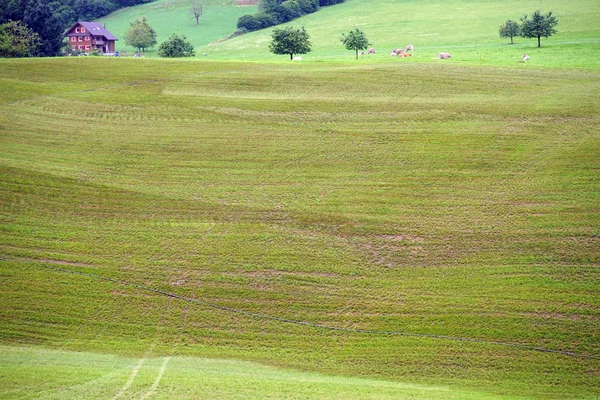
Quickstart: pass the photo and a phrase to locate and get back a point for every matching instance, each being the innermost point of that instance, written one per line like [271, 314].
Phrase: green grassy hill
[461, 202]
[218, 20]
[465, 28]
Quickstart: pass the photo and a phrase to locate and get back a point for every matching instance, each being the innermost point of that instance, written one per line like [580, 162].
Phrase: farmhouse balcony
[100, 42]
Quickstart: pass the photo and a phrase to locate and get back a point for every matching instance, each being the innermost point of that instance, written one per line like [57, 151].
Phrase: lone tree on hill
[176, 46]
[355, 40]
[196, 10]
[140, 34]
[290, 40]
[510, 29]
[539, 25]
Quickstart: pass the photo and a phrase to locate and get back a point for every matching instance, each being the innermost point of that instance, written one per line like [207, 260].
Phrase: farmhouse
[87, 36]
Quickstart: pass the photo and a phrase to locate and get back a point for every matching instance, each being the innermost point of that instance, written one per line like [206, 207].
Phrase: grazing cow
[410, 47]
[525, 58]
[443, 56]
[372, 50]
[393, 54]
[404, 55]
[398, 51]
[362, 53]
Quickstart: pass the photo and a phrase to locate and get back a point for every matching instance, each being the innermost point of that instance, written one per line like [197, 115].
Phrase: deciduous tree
[176, 46]
[140, 34]
[18, 40]
[39, 17]
[510, 29]
[538, 26]
[355, 40]
[90, 9]
[290, 40]
[196, 10]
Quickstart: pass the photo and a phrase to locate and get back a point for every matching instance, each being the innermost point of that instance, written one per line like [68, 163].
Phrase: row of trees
[66, 12]
[290, 41]
[142, 36]
[35, 30]
[538, 26]
[275, 12]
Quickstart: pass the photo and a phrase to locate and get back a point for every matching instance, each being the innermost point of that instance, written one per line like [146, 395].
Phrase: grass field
[465, 28]
[219, 19]
[464, 204]
[91, 376]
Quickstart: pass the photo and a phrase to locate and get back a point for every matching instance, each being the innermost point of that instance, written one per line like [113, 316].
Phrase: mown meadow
[462, 203]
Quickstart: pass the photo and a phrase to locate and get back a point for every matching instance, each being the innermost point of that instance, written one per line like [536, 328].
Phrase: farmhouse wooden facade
[88, 36]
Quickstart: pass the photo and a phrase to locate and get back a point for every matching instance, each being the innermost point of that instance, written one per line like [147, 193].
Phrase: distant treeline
[66, 12]
[37, 25]
[275, 12]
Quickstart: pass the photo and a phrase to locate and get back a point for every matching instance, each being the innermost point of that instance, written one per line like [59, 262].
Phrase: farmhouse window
[87, 38]
[76, 30]
[82, 30]
[87, 47]
[80, 38]
[80, 47]
[73, 39]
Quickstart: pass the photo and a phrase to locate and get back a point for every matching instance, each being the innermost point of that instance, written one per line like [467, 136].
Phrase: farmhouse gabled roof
[94, 28]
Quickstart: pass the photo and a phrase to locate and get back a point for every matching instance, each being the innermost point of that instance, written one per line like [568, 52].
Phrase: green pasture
[465, 28]
[463, 203]
[219, 20]
[69, 375]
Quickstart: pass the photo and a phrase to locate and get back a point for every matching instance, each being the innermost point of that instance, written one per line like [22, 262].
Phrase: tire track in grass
[139, 365]
[156, 382]
[134, 373]
[154, 386]
[321, 326]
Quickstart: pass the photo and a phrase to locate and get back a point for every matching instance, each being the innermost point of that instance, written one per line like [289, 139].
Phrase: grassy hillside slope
[467, 29]
[218, 20]
[464, 205]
